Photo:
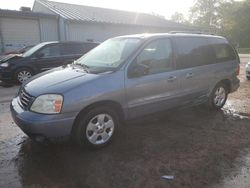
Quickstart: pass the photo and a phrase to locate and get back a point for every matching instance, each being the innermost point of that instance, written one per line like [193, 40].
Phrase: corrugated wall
[19, 32]
[49, 29]
[100, 32]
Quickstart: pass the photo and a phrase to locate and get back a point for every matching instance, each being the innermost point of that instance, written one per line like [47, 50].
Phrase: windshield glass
[33, 49]
[111, 53]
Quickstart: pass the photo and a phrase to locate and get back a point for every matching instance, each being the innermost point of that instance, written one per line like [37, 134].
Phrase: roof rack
[192, 32]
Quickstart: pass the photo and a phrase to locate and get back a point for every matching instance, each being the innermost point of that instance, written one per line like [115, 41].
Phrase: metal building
[18, 29]
[49, 21]
[87, 23]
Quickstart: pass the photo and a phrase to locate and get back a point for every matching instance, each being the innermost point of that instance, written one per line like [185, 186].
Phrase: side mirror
[39, 55]
[138, 70]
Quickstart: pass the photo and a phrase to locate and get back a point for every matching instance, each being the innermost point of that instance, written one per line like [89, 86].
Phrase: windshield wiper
[85, 67]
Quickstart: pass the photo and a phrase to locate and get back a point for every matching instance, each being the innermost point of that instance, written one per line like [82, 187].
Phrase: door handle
[190, 75]
[172, 78]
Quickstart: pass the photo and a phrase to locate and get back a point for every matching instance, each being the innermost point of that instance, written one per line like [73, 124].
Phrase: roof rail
[191, 32]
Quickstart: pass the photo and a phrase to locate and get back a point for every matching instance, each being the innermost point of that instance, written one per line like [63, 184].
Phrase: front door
[48, 57]
[158, 86]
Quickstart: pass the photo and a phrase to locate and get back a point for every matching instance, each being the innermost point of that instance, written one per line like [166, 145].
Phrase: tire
[23, 74]
[93, 130]
[248, 77]
[218, 96]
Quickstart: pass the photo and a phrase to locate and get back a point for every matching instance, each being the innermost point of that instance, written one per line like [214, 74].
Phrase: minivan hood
[58, 80]
[10, 57]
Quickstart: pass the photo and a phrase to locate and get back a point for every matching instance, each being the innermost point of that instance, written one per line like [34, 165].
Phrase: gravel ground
[199, 148]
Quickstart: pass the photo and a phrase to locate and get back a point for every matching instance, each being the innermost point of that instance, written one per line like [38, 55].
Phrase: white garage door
[84, 32]
[19, 32]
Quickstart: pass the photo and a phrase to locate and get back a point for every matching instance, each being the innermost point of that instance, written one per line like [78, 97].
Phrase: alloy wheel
[24, 75]
[219, 96]
[100, 129]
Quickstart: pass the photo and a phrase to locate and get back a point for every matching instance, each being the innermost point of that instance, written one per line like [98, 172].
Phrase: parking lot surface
[195, 146]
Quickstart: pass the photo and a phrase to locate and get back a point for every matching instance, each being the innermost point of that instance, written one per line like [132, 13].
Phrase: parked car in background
[124, 78]
[248, 70]
[20, 51]
[42, 57]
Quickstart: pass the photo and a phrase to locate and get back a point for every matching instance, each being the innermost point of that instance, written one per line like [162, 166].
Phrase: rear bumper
[47, 126]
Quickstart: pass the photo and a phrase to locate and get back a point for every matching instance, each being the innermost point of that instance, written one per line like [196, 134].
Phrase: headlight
[6, 64]
[47, 104]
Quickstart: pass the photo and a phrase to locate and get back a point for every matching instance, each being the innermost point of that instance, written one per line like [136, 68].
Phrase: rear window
[193, 51]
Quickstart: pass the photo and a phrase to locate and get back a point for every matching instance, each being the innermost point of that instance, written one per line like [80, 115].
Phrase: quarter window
[157, 56]
[224, 52]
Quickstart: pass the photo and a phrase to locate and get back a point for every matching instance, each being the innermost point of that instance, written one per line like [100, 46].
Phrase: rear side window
[72, 49]
[223, 51]
[193, 51]
[89, 46]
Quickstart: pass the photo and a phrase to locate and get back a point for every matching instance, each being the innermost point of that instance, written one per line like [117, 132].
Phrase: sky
[162, 7]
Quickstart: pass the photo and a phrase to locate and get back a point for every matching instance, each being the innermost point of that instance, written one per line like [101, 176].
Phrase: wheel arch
[24, 67]
[227, 82]
[21, 68]
[112, 104]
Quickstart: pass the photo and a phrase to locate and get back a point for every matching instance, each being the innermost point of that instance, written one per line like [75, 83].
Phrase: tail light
[238, 71]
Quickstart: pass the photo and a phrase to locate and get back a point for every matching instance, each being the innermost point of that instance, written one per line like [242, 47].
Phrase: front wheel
[21, 75]
[96, 128]
[218, 96]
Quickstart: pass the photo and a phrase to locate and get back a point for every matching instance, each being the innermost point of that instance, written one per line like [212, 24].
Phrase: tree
[235, 22]
[178, 17]
[205, 13]
[229, 18]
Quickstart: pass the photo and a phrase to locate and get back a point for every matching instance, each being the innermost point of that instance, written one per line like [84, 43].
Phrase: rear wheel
[23, 74]
[218, 96]
[96, 128]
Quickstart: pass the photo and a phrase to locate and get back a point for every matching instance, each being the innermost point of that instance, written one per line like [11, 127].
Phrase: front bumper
[47, 126]
[5, 75]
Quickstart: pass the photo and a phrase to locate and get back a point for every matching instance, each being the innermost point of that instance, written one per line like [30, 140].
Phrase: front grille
[25, 98]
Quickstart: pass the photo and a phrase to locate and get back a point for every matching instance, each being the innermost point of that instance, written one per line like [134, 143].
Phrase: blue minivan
[123, 78]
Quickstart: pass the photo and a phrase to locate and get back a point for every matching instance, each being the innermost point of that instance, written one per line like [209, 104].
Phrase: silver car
[248, 70]
[123, 78]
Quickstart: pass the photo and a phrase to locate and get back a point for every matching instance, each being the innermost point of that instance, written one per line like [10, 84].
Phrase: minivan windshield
[110, 54]
[33, 50]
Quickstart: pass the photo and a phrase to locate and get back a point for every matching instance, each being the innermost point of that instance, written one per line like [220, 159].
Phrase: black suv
[41, 57]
